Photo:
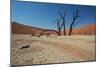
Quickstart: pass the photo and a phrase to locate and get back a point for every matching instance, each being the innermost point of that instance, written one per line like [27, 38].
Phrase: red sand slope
[24, 29]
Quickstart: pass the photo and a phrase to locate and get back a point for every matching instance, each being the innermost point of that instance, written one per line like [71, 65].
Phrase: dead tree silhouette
[43, 31]
[63, 15]
[59, 26]
[74, 23]
[60, 23]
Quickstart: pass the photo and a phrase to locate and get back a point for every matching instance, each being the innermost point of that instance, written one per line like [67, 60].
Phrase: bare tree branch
[60, 14]
[74, 23]
[63, 15]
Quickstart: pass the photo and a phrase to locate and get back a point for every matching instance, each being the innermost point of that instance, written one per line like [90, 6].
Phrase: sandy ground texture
[52, 49]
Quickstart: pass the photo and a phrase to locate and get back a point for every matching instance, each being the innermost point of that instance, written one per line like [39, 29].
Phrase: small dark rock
[24, 47]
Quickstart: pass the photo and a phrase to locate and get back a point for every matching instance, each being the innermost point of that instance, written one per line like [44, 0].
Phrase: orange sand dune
[24, 29]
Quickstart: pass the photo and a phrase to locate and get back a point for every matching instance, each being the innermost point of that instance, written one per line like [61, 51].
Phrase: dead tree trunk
[63, 21]
[70, 31]
[74, 23]
[64, 26]
[59, 26]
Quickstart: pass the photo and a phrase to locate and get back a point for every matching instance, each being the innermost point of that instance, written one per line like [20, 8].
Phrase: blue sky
[44, 15]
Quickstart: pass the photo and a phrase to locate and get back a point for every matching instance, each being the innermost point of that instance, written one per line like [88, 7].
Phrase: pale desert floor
[53, 49]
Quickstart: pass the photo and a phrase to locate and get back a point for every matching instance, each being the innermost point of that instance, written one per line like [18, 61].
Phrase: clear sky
[44, 15]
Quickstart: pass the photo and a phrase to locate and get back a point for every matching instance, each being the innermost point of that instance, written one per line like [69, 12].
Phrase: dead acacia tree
[43, 31]
[74, 22]
[59, 26]
[60, 23]
[63, 15]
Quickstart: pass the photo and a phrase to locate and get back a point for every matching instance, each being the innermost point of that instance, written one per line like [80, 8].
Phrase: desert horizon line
[50, 29]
